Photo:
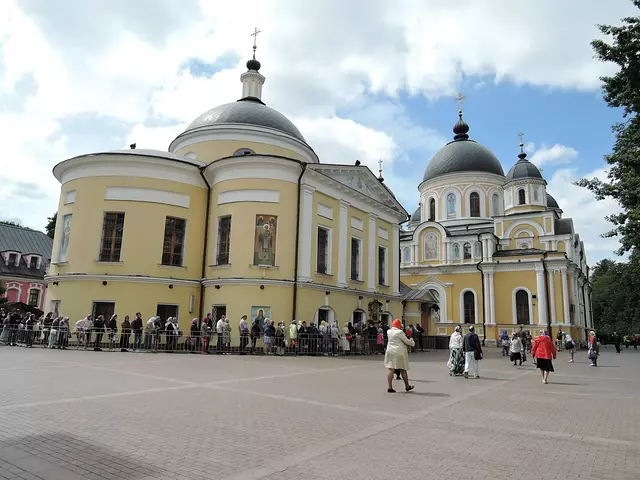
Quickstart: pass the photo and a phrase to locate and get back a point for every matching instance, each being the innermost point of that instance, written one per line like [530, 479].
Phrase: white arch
[364, 315]
[443, 207]
[538, 228]
[433, 197]
[424, 226]
[514, 311]
[333, 318]
[475, 305]
[467, 195]
[500, 202]
[423, 247]
[524, 230]
[442, 304]
[406, 255]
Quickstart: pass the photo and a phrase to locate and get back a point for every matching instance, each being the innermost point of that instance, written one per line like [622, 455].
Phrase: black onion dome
[416, 217]
[253, 64]
[247, 111]
[462, 155]
[551, 202]
[523, 169]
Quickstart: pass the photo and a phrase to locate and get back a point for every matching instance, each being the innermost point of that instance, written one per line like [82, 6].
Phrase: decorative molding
[69, 197]
[514, 310]
[357, 223]
[475, 305]
[260, 196]
[135, 194]
[253, 167]
[325, 211]
[383, 233]
[86, 277]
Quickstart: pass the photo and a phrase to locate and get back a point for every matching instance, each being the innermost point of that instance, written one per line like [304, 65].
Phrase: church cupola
[252, 80]
[525, 187]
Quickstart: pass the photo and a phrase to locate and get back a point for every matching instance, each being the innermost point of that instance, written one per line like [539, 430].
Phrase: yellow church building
[238, 217]
[492, 250]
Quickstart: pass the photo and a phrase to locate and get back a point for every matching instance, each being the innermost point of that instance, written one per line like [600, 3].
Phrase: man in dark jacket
[136, 327]
[472, 352]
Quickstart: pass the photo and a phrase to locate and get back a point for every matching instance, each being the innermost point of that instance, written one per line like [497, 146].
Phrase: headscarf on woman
[396, 356]
[455, 364]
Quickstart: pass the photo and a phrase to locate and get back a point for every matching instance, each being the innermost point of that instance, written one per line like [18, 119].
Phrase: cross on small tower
[255, 38]
[459, 99]
[521, 135]
[380, 167]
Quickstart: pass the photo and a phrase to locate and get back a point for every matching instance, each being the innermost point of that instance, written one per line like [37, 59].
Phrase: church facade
[491, 249]
[238, 217]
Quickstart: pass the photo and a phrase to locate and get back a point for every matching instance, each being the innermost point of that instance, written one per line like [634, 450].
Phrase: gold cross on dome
[459, 99]
[521, 135]
[380, 166]
[255, 37]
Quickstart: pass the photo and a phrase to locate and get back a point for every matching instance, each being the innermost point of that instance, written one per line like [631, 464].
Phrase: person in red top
[544, 350]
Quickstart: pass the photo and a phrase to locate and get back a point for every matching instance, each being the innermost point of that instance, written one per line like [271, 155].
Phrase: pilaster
[306, 234]
[373, 254]
[541, 295]
[565, 297]
[342, 243]
[552, 296]
[395, 249]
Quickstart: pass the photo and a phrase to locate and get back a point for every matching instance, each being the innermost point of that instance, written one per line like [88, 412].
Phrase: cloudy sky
[363, 79]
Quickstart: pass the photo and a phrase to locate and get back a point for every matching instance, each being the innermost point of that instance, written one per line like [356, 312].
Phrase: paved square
[67, 415]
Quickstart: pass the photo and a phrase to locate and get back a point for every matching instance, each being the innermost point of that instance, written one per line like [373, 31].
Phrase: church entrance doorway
[165, 311]
[217, 311]
[105, 309]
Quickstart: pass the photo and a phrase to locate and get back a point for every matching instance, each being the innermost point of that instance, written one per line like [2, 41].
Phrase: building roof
[563, 226]
[422, 295]
[415, 218]
[462, 155]
[247, 111]
[523, 169]
[518, 252]
[25, 241]
[552, 202]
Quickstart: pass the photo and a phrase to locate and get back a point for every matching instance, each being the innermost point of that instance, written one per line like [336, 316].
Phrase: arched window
[467, 251]
[456, 251]
[474, 202]
[495, 204]
[478, 248]
[242, 151]
[451, 205]
[431, 246]
[406, 255]
[432, 210]
[522, 308]
[535, 194]
[469, 305]
[522, 198]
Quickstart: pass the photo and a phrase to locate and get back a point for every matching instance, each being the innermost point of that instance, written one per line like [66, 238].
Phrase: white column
[414, 254]
[487, 299]
[449, 252]
[393, 271]
[373, 251]
[542, 296]
[485, 250]
[445, 252]
[492, 298]
[565, 297]
[306, 225]
[552, 297]
[343, 244]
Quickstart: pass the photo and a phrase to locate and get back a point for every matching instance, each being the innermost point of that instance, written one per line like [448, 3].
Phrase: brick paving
[87, 415]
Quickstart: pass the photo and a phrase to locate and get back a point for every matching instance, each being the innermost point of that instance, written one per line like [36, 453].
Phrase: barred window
[469, 302]
[224, 237]
[355, 259]
[382, 265]
[474, 201]
[322, 259]
[173, 246]
[34, 297]
[112, 230]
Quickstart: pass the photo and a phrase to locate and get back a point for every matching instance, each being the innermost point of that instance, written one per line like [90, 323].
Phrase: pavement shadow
[570, 384]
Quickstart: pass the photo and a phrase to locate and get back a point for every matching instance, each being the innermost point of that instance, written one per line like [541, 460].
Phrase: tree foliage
[3, 290]
[51, 225]
[622, 90]
[8, 222]
[616, 305]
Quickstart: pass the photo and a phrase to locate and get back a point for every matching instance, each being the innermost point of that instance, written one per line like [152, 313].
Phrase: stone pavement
[68, 415]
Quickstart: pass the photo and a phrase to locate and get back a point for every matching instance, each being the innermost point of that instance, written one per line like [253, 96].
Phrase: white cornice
[462, 179]
[243, 133]
[253, 167]
[119, 278]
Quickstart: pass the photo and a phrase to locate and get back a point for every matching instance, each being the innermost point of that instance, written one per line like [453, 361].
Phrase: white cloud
[587, 212]
[124, 61]
[555, 155]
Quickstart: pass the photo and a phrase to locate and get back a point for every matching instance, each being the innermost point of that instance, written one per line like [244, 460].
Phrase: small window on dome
[522, 198]
[474, 201]
[243, 151]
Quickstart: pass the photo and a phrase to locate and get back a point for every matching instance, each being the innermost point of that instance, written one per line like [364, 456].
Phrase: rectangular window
[173, 246]
[106, 309]
[112, 230]
[382, 265]
[355, 258]
[33, 262]
[323, 315]
[322, 255]
[34, 297]
[224, 240]
[13, 259]
[165, 311]
[264, 243]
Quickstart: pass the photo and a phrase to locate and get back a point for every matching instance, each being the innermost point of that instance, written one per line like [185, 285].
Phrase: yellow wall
[381, 242]
[504, 284]
[77, 299]
[331, 278]
[421, 247]
[364, 237]
[144, 226]
[557, 293]
[209, 151]
[243, 219]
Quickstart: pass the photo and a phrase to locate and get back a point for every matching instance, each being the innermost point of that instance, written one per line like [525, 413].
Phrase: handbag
[349, 337]
[477, 355]
[569, 345]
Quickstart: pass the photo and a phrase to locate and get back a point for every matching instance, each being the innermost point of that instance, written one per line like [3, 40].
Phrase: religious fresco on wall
[64, 242]
[259, 314]
[264, 250]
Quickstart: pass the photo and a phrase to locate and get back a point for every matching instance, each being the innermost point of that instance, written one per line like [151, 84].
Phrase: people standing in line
[456, 356]
[397, 355]
[347, 337]
[46, 328]
[243, 328]
[335, 337]
[543, 350]
[205, 333]
[472, 353]
[98, 327]
[269, 333]
[28, 330]
[220, 327]
[226, 336]
[570, 346]
[194, 336]
[593, 350]
[615, 338]
[419, 335]
[63, 333]
[515, 349]
[53, 334]
[112, 330]
[293, 337]
[255, 333]
[279, 339]
[136, 328]
[125, 333]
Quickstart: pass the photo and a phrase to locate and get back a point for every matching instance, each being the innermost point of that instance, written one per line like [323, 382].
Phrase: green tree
[51, 225]
[622, 90]
[9, 222]
[3, 290]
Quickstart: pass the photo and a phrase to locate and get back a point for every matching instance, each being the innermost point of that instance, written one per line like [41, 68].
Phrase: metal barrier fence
[166, 341]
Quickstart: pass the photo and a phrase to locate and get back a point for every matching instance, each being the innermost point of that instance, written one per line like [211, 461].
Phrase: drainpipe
[206, 240]
[297, 247]
[546, 292]
[484, 320]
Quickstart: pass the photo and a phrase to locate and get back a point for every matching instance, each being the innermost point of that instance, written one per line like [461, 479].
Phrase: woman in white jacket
[516, 349]
[456, 357]
[397, 355]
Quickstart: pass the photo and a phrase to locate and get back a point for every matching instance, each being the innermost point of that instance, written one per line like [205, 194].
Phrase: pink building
[24, 256]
